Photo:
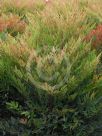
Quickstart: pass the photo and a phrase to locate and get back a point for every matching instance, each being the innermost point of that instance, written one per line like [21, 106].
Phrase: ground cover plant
[50, 68]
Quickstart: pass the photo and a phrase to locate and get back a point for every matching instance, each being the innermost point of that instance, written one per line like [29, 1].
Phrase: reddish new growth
[13, 23]
[2, 25]
[96, 37]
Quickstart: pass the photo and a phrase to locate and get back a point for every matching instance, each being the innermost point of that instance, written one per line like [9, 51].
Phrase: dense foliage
[50, 68]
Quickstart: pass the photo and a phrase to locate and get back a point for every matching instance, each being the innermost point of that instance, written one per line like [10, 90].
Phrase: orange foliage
[13, 23]
[2, 25]
[96, 37]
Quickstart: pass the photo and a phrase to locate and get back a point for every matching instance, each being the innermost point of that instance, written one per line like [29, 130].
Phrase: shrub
[48, 75]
